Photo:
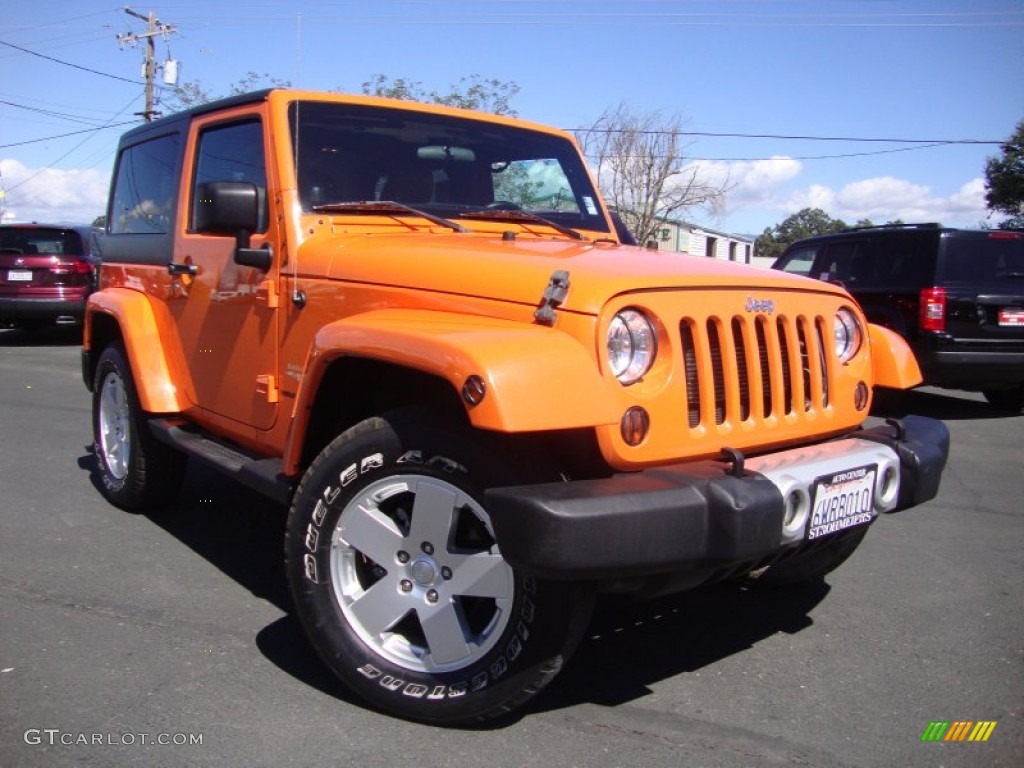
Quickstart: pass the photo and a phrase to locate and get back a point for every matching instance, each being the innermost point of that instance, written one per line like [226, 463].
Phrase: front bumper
[708, 515]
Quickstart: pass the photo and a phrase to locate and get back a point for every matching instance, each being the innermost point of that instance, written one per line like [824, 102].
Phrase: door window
[232, 152]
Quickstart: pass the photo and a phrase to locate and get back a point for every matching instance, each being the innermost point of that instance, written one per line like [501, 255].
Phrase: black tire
[1011, 400]
[136, 471]
[399, 584]
[811, 567]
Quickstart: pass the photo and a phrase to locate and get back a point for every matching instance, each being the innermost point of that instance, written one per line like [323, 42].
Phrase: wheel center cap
[423, 571]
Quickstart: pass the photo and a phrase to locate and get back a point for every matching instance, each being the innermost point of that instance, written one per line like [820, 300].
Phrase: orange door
[225, 314]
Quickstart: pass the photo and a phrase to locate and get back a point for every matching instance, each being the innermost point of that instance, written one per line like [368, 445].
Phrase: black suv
[955, 295]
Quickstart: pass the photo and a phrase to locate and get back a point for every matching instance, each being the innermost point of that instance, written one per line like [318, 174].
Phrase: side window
[143, 201]
[799, 261]
[847, 262]
[232, 152]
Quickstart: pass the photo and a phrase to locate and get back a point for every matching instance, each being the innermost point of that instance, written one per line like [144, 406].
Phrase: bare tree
[640, 162]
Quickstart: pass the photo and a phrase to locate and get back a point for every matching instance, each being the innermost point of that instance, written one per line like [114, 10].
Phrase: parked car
[956, 295]
[46, 273]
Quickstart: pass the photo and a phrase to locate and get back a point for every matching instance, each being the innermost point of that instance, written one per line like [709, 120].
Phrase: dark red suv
[46, 273]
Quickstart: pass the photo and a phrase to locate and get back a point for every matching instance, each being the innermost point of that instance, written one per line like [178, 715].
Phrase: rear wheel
[1011, 399]
[135, 469]
[401, 587]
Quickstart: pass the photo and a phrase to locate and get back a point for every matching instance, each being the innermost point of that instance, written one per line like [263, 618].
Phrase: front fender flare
[537, 378]
[892, 361]
[151, 372]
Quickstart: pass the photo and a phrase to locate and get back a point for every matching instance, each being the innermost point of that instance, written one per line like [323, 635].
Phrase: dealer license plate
[843, 500]
[1012, 317]
[19, 275]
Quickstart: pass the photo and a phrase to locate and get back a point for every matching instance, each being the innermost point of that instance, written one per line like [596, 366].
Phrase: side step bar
[260, 474]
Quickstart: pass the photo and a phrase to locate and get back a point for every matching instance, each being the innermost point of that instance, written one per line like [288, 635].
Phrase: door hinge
[267, 385]
[267, 291]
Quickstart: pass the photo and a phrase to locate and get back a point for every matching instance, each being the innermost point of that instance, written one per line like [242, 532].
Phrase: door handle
[177, 268]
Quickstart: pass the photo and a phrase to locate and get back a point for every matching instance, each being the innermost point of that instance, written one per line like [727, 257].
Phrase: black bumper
[692, 516]
[972, 370]
[41, 309]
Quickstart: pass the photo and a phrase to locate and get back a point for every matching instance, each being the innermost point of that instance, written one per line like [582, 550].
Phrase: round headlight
[631, 345]
[847, 334]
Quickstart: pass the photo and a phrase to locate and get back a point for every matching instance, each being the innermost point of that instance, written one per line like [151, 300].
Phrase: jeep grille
[779, 365]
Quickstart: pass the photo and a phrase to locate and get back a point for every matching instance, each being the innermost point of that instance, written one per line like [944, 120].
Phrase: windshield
[451, 167]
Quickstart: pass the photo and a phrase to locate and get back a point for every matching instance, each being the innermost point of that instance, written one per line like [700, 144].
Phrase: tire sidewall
[540, 630]
[112, 361]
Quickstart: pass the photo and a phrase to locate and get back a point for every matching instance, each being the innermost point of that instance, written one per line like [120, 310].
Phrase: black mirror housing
[226, 208]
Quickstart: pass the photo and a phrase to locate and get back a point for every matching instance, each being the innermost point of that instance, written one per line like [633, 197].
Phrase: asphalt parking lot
[166, 639]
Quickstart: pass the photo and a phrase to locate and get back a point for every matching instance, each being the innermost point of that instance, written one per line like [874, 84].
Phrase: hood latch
[554, 295]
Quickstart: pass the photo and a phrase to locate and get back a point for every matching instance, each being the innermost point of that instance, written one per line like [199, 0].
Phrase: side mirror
[232, 208]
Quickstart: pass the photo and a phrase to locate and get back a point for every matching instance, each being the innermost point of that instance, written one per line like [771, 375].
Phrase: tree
[639, 159]
[1004, 180]
[806, 223]
[192, 93]
[472, 92]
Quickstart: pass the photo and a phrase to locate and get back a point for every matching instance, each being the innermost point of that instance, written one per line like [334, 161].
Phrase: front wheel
[401, 587]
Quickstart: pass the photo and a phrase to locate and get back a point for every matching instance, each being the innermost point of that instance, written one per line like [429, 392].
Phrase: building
[682, 236]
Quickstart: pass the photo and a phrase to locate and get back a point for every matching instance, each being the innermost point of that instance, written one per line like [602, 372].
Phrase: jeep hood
[518, 271]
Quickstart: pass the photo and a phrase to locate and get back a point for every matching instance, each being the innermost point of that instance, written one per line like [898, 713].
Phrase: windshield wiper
[387, 206]
[523, 216]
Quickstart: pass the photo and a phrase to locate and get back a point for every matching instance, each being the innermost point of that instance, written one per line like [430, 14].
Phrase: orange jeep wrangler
[418, 328]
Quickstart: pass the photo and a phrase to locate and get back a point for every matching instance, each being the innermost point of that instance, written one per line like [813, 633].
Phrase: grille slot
[784, 359]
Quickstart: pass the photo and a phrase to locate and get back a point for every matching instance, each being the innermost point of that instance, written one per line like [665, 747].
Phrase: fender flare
[893, 363]
[140, 333]
[536, 378]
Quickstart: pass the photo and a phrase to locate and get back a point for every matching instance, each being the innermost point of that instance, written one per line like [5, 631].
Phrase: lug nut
[405, 585]
[427, 547]
[403, 556]
[446, 573]
[432, 596]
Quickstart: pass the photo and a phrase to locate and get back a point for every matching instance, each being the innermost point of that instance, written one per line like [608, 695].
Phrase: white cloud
[53, 195]
[885, 198]
[751, 183]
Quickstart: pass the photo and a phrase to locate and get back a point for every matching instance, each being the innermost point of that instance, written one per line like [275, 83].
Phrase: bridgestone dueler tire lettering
[135, 470]
[401, 588]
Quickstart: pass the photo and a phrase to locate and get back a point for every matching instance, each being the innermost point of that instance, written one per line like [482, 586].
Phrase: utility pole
[154, 27]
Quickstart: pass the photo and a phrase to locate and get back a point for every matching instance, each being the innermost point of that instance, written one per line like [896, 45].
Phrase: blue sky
[834, 69]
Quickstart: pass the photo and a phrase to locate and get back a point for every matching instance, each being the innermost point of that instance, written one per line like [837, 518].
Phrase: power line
[785, 137]
[67, 63]
[70, 133]
[52, 113]
[782, 158]
[92, 133]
